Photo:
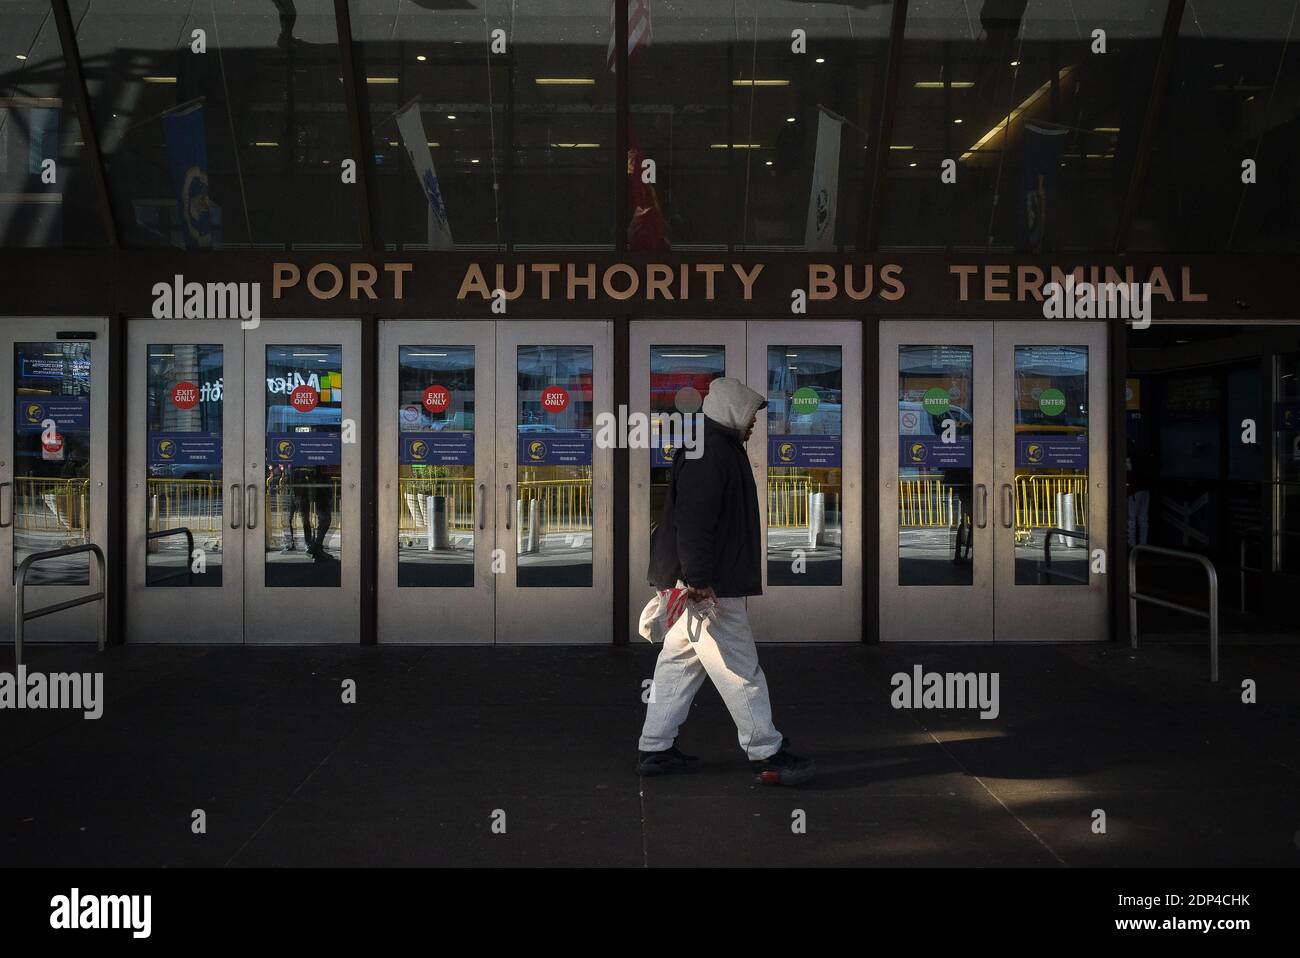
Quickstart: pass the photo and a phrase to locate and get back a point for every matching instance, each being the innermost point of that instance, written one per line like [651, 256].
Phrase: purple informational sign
[932, 451]
[1053, 452]
[436, 448]
[69, 412]
[304, 449]
[185, 449]
[807, 451]
[560, 448]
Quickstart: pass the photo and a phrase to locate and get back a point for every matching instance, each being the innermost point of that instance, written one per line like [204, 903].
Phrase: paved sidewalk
[440, 738]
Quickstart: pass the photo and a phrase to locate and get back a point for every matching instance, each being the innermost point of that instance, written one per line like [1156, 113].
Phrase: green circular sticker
[805, 401]
[1051, 402]
[935, 401]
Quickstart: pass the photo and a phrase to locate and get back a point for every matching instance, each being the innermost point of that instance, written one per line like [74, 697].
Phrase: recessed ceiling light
[958, 120]
[911, 164]
[382, 81]
[821, 60]
[20, 56]
[789, 119]
[158, 79]
[451, 116]
[1015, 63]
[772, 82]
[421, 57]
[939, 84]
[475, 160]
[738, 146]
[768, 163]
[564, 81]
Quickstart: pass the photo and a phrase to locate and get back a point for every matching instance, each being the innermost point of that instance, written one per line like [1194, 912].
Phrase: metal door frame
[937, 613]
[442, 616]
[1047, 613]
[78, 624]
[562, 615]
[154, 614]
[302, 615]
[643, 335]
[813, 613]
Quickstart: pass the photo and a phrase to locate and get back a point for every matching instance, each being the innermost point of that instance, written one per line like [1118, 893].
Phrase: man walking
[708, 543]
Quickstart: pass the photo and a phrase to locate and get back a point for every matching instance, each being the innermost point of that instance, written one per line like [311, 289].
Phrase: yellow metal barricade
[927, 502]
[787, 500]
[194, 504]
[413, 496]
[52, 505]
[1037, 506]
[563, 505]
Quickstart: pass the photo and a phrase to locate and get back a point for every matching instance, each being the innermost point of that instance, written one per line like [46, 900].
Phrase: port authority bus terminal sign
[602, 285]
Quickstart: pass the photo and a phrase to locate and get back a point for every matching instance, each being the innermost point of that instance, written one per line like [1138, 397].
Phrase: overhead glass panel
[47, 196]
[222, 124]
[731, 106]
[1039, 129]
[1231, 97]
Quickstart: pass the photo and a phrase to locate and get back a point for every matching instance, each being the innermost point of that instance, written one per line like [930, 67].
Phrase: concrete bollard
[439, 533]
[1065, 520]
[816, 518]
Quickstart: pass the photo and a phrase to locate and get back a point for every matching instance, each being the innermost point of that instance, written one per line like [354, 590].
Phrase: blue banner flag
[187, 154]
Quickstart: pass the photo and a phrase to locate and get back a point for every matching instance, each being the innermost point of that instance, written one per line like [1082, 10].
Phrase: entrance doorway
[994, 453]
[495, 506]
[242, 482]
[806, 454]
[53, 468]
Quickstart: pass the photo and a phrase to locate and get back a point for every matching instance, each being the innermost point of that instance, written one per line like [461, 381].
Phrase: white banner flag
[411, 126]
[825, 194]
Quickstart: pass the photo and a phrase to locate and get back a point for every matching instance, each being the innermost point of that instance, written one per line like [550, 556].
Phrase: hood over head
[731, 403]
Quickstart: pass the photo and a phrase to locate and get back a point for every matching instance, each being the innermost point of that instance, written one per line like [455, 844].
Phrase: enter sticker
[936, 401]
[555, 399]
[185, 395]
[304, 398]
[1051, 402]
[804, 401]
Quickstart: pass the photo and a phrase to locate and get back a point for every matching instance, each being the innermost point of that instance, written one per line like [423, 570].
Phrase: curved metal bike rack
[1212, 614]
[189, 549]
[22, 616]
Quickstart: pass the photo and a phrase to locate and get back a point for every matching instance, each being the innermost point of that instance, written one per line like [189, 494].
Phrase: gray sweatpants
[722, 648]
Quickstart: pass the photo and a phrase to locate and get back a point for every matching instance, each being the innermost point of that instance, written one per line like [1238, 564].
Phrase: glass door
[185, 446]
[936, 461]
[672, 364]
[301, 501]
[437, 491]
[806, 453]
[554, 501]
[53, 449]
[1052, 451]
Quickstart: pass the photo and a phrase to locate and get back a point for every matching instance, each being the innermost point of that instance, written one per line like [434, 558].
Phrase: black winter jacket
[708, 534]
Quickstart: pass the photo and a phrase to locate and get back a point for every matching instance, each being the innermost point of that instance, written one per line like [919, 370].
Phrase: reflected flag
[187, 155]
[411, 126]
[824, 196]
[639, 32]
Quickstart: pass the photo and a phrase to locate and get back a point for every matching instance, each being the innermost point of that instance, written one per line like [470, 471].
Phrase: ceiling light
[265, 143]
[901, 147]
[1015, 114]
[760, 82]
[768, 163]
[821, 60]
[738, 146]
[20, 56]
[575, 146]
[158, 79]
[421, 57]
[475, 160]
[911, 164]
[1106, 129]
[939, 84]
[1015, 63]
[451, 116]
[958, 120]
[381, 80]
[789, 119]
[564, 81]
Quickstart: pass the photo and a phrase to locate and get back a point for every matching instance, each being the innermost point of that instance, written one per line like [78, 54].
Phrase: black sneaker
[784, 768]
[671, 761]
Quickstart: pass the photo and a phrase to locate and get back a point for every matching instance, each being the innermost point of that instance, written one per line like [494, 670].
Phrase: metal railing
[51, 505]
[413, 497]
[194, 503]
[1045, 571]
[563, 505]
[22, 616]
[189, 553]
[787, 501]
[927, 503]
[1134, 597]
[1036, 504]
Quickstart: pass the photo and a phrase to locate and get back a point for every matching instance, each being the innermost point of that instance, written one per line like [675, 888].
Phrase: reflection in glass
[677, 375]
[304, 462]
[804, 453]
[1051, 478]
[51, 495]
[935, 444]
[553, 498]
[436, 493]
[184, 414]
[1286, 458]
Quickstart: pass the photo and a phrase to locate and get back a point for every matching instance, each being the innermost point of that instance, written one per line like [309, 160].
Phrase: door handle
[482, 504]
[252, 507]
[981, 505]
[236, 506]
[510, 505]
[9, 486]
[1008, 504]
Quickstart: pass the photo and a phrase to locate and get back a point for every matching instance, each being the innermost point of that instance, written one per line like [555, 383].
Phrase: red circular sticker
[53, 445]
[437, 398]
[185, 395]
[304, 398]
[555, 399]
